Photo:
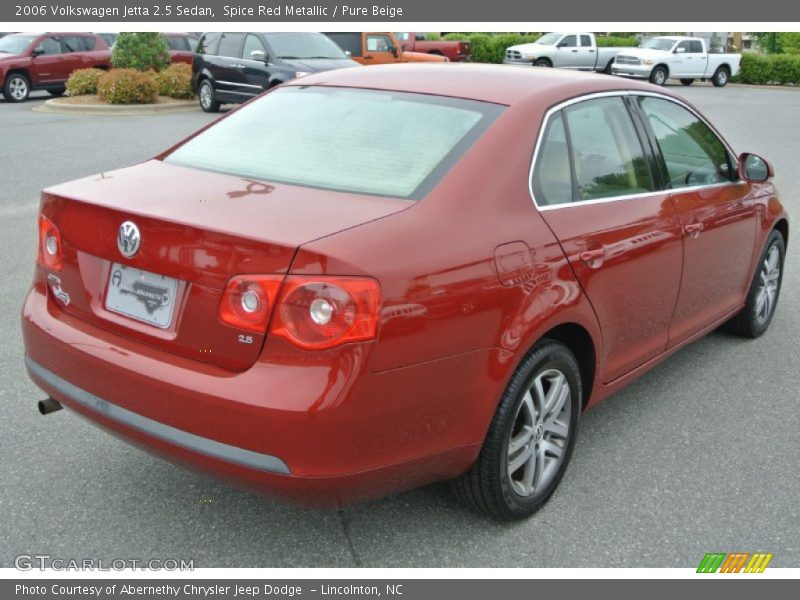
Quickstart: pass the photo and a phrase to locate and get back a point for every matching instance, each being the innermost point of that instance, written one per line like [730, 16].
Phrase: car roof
[498, 84]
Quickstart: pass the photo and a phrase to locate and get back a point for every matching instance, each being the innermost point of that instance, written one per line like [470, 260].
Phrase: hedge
[127, 86]
[83, 81]
[175, 81]
[769, 69]
[491, 47]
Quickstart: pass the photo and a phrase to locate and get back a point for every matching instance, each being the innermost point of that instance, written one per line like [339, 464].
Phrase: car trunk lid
[196, 229]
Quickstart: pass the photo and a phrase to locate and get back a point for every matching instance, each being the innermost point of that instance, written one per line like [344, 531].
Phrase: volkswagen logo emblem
[128, 239]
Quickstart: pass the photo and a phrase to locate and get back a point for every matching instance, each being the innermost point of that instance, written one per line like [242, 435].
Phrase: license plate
[141, 295]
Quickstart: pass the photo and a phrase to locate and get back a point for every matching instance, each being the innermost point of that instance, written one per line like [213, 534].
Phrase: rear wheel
[687, 81]
[762, 298]
[720, 78]
[208, 102]
[659, 76]
[542, 62]
[530, 439]
[17, 87]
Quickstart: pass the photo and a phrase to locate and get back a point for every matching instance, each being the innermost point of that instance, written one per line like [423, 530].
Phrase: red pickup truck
[44, 61]
[414, 41]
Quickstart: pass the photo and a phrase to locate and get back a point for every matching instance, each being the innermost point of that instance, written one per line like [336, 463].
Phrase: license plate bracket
[141, 295]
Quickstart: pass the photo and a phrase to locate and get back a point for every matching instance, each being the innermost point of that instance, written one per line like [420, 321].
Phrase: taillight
[50, 250]
[317, 313]
[248, 300]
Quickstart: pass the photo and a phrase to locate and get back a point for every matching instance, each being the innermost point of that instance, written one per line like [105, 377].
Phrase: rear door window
[586, 41]
[552, 179]
[230, 45]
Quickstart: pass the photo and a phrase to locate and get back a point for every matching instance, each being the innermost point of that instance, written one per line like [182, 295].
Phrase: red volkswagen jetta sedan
[368, 280]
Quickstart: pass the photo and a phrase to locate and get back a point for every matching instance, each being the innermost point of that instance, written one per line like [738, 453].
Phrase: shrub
[175, 81]
[491, 47]
[770, 68]
[83, 81]
[141, 51]
[127, 86]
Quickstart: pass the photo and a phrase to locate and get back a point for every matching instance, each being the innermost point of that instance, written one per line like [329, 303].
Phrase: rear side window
[586, 41]
[696, 47]
[692, 152]
[352, 140]
[591, 151]
[73, 43]
[230, 44]
[607, 155]
[553, 175]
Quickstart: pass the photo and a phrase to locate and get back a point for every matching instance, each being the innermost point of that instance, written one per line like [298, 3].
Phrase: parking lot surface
[699, 455]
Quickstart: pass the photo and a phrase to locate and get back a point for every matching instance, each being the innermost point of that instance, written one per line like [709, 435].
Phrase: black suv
[234, 67]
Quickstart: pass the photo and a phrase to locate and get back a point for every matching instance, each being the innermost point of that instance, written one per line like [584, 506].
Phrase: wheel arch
[664, 66]
[579, 341]
[782, 225]
[20, 71]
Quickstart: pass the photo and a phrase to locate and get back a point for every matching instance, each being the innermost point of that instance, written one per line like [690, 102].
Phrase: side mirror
[258, 55]
[754, 169]
[37, 52]
[348, 54]
[394, 51]
[562, 45]
[680, 50]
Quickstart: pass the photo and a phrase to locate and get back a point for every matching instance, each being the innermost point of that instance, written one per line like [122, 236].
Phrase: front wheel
[720, 78]
[762, 298]
[208, 102]
[687, 81]
[542, 62]
[17, 88]
[530, 439]
[659, 76]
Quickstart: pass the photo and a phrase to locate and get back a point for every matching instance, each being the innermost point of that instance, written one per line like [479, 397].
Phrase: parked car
[44, 61]
[378, 48]
[182, 47]
[234, 67]
[677, 57]
[269, 300]
[570, 50]
[415, 41]
[109, 38]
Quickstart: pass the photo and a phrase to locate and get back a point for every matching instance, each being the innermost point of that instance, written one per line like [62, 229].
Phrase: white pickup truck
[567, 50]
[676, 57]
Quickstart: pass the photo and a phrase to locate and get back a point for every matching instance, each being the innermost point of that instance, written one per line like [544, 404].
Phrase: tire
[17, 88]
[659, 76]
[609, 66]
[208, 102]
[687, 81]
[57, 93]
[540, 447]
[762, 298]
[542, 62]
[720, 77]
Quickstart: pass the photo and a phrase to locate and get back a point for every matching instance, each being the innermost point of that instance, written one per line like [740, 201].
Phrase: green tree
[144, 51]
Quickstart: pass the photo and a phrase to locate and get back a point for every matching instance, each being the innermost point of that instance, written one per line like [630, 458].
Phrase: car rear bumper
[301, 433]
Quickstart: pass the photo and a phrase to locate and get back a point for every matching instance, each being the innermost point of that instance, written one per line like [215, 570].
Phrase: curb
[57, 106]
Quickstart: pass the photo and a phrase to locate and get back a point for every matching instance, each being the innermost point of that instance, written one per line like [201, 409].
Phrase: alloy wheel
[539, 437]
[768, 280]
[18, 88]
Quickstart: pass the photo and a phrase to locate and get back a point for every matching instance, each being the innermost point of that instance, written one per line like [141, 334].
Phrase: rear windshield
[352, 140]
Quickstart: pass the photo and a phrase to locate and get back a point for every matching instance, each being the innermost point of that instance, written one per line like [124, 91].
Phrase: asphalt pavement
[699, 455]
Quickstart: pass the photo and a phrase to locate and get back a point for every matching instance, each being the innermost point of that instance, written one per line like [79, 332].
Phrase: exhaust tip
[49, 405]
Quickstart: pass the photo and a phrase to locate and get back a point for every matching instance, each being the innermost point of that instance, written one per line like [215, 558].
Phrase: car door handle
[369, 57]
[574, 50]
[693, 229]
[594, 258]
[590, 51]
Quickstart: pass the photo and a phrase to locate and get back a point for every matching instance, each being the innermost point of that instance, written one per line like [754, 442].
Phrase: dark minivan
[234, 67]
